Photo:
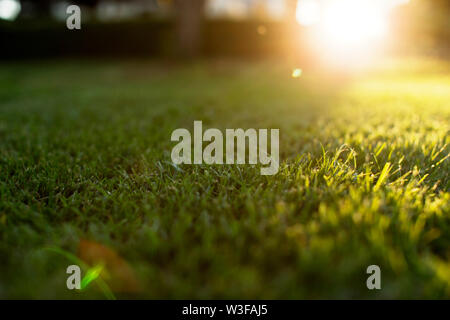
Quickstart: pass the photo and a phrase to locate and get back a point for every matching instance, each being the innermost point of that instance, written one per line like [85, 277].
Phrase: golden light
[352, 24]
[308, 12]
[346, 29]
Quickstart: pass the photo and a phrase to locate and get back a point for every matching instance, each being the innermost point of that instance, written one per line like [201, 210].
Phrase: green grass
[85, 154]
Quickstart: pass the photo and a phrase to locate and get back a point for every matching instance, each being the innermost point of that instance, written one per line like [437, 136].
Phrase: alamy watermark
[73, 21]
[235, 147]
[74, 278]
[374, 280]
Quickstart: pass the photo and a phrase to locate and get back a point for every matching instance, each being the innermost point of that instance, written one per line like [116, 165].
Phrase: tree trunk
[189, 18]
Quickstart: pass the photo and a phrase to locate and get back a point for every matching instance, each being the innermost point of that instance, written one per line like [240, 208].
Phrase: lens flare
[296, 73]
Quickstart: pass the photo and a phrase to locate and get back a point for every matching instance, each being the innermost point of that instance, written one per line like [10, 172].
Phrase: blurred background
[305, 29]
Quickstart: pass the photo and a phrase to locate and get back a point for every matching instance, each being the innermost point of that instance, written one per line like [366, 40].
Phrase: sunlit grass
[85, 154]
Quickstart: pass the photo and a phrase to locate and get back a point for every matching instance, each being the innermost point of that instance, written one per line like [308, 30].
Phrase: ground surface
[85, 167]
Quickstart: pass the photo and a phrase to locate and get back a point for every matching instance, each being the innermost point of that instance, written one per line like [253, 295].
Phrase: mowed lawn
[85, 167]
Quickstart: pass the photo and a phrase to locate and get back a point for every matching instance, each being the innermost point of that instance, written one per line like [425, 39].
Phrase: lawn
[85, 167]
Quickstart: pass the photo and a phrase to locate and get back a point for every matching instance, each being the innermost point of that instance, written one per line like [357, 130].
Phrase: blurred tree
[189, 17]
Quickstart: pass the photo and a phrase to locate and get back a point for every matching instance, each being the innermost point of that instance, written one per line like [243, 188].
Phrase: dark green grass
[85, 154]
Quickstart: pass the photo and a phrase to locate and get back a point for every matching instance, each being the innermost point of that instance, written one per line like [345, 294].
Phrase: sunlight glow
[9, 9]
[340, 27]
[351, 23]
[308, 12]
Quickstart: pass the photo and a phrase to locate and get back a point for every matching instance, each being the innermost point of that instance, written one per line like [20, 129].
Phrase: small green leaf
[92, 274]
[383, 176]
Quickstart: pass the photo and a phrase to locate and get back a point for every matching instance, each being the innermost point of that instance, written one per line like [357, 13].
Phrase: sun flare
[347, 27]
